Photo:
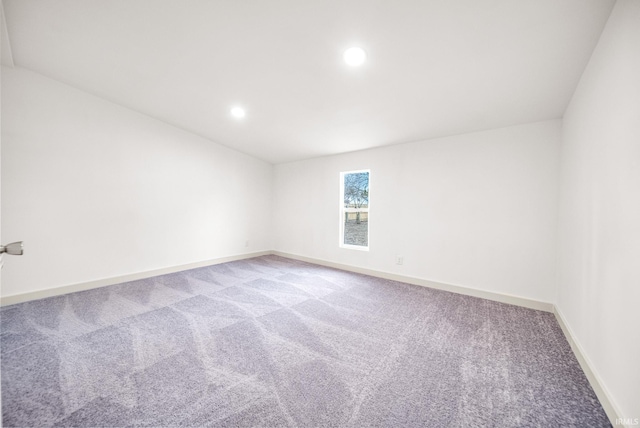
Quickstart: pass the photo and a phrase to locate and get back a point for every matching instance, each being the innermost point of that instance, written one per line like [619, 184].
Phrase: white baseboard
[489, 295]
[484, 294]
[50, 292]
[592, 376]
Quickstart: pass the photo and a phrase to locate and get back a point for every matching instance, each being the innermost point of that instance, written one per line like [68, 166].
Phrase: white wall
[599, 267]
[96, 190]
[477, 210]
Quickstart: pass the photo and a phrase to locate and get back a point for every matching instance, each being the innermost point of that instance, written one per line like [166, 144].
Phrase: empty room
[320, 213]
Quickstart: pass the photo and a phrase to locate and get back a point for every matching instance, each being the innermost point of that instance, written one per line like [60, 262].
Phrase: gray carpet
[275, 342]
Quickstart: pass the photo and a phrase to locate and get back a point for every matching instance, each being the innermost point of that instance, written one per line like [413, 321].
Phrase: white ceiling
[435, 67]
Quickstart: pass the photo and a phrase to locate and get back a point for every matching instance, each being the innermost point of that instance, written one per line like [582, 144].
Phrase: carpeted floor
[275, 342]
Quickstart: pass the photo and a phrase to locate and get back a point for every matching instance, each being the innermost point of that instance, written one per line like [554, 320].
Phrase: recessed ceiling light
[355, 56]
[238, 112]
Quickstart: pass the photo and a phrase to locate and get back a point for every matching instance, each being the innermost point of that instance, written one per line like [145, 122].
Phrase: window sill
[354, 247]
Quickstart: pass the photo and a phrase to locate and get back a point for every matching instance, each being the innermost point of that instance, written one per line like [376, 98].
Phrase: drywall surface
[476, 210]
[599, 251]
[97, 191]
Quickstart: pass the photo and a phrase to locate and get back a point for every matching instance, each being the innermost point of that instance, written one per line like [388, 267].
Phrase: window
[354, 209]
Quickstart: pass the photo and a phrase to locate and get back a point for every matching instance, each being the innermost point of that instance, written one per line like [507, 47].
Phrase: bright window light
[355, 56]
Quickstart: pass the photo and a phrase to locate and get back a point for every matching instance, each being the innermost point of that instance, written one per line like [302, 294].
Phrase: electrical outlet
[399, 260]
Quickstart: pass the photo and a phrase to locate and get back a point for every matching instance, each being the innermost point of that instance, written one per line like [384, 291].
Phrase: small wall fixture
[15, 248]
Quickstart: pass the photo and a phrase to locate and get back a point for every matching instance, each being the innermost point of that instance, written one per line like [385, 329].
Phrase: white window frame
[344, 210]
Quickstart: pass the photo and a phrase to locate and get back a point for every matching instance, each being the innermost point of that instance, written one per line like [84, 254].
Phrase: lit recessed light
[238, 112]
[355, 56]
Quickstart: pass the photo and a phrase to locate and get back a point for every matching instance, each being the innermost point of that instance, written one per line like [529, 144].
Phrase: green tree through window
[355, 209]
